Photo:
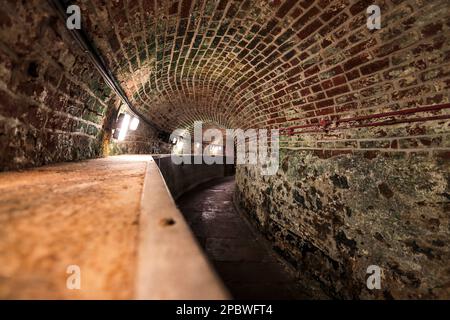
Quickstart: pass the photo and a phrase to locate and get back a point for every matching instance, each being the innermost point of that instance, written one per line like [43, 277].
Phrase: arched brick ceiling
[260, 63]
[184, 60]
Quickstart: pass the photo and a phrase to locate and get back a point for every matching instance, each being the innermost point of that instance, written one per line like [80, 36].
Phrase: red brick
[375, 66]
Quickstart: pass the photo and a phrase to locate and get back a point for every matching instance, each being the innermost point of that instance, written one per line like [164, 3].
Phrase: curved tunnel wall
[333, 217]
[54, 105]
[365, 116]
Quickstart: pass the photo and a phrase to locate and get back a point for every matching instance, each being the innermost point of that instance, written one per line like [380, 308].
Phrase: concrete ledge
[81, 214]
[171, 264]
[114, 218]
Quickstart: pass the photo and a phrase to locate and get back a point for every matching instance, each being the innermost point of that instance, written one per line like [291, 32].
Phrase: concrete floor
[248, 267]
[106, 216]
[83, 214]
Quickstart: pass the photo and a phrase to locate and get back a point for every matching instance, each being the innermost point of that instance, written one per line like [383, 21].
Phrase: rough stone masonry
[364, 114]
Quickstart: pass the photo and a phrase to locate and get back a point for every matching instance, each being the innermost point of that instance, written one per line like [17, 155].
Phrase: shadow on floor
[247, 267]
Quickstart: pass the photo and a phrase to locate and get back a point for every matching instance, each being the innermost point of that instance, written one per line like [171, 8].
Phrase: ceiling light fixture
[124, 127]
[134, 124]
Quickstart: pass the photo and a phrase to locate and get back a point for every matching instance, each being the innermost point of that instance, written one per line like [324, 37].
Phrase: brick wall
[344, 96]
[52, 100]
[302, 64]
[364, 115]
[364, 177]
[54, 105]
[311, 68]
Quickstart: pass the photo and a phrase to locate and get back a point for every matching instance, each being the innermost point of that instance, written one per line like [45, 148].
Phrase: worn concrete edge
[170, 263]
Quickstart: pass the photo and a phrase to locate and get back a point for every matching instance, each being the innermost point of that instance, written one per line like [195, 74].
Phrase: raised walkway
[114, 218]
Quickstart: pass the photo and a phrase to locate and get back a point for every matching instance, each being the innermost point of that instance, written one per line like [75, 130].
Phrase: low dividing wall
[111, 216]
[171, 265]
[183, 177]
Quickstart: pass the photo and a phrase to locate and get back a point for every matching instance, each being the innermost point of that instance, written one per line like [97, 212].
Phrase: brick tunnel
[358, 207]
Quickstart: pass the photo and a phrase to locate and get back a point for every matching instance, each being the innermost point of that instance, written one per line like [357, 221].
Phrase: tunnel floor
[70, 214]
[247, 266]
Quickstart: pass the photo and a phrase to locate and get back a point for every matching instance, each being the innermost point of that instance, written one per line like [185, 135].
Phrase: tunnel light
[124, 127]
[134, 124]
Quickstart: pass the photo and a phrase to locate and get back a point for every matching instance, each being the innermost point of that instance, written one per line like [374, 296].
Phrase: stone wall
[52, 100]
[54, 105]
[332, 217]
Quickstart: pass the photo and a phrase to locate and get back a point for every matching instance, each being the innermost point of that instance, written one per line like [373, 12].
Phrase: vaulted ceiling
[258, 63]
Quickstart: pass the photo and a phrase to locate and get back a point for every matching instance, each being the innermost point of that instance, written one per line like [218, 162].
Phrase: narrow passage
[248, 267]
